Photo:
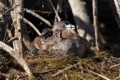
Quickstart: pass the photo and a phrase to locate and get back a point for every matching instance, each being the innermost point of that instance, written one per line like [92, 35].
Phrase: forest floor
[100, 67]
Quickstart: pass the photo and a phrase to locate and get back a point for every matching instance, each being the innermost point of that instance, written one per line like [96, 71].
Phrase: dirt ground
[100, 67]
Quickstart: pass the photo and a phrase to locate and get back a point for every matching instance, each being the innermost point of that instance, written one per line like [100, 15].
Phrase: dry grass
[64, 68]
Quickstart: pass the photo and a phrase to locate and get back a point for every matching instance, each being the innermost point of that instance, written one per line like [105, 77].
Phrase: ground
[63, 68]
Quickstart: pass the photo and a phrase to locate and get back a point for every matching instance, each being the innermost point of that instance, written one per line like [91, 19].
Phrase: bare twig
[117, 78]
[38, 16]
[59, 5]
[95, 17]
[4, 75]
[116, 10]
[101, 76]
[59, 19]
[12, 39]
[18, 57]
[31, 25]
[8, 10]
[63, 70]
[44, 12]
[116, 65]
[71, 66]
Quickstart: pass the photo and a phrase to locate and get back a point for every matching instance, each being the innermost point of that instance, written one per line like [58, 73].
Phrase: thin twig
[31, 25]
[116, 10]
[115, 65]
[12, 39]
[95, 18]
[59, 19]
[101, 76]
[38, 16]
[117, 78]
[59, 4]
[71, 66]
[9, 10]
[4, 75]
[44, 12]
[63, 70]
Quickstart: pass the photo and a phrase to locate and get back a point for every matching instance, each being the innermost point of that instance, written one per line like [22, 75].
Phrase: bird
[61, 41]
[39, 42]
[69, 42]
[47, 32]
[60, 26]
[63, 25]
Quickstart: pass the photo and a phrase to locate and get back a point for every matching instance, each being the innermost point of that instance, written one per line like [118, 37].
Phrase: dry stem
[38, 16]
[31, 25]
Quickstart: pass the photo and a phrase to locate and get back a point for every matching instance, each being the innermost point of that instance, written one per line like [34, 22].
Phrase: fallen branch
[38, 16]
[59, 19]
[31, 25]
[19, 58]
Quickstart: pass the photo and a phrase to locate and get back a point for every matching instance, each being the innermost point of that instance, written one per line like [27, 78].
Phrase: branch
[16, 55]
[38, 16]
[116, 65]
[4, 75]
[31, 25]
[12, 39]
[95, 18]
[116, 2]
[59, 19]
[8, 10]
[116, 10]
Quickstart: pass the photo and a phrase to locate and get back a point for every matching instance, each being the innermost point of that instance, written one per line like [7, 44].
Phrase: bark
[15, 54]
[83, 23]
[17, 25]
[2, 9]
